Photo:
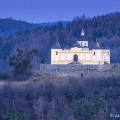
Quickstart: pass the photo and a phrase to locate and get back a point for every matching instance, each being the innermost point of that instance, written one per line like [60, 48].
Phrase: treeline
[88, 99]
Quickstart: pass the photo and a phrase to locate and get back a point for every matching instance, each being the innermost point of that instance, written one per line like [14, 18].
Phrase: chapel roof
[56, 45]
[77, 45]
[67, 47]
[85, 47]
[82, 37]
[105, 47]
[97, 46]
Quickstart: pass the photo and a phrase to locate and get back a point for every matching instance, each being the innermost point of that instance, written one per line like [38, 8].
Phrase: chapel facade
[80, 53]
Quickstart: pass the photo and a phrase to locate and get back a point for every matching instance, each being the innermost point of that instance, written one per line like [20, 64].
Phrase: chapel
[80, 53]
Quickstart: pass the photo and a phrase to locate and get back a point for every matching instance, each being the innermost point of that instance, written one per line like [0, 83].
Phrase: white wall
[54, 57]
[63, 57]
[88, 57]
[69, 57]
[83, 43]
[81, 57]
[106, 55]
[98, 55]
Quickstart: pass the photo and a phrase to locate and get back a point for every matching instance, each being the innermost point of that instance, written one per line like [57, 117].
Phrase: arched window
[87, 57]
[81, 43]
[63, 57]
[56, 52]
[94, 52]
[69, 57]
[81, 57]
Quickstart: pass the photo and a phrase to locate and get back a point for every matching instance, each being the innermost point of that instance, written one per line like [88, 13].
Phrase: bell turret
[56, 45]
[97, 45]
[82, 33]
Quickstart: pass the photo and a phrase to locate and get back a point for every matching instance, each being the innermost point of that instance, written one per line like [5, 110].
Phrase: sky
[39, 11]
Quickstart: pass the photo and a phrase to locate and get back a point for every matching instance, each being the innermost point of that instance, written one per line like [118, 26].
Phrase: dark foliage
[21, 61]
[77, 100]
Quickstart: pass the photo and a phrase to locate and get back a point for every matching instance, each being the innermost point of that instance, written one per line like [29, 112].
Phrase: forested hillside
[45, 97]
[105, 28]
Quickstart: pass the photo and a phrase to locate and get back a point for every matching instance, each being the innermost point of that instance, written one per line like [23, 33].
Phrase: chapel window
[94, 52]
[56, 52]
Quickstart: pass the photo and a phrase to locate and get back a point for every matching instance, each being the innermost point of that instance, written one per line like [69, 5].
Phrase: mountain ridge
[10, 26]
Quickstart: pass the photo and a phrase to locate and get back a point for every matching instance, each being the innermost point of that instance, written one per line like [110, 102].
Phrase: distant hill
[112, 14]
[65, 23]
[9, 27]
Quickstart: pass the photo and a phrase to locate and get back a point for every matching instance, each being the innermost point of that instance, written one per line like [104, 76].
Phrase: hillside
[65, 23]
[10, 27]
[33, 96]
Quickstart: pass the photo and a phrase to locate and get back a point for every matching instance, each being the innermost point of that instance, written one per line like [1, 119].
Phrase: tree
[22, 60]
[14, 116]
[100, 115]
[88, 110]
[83, 109]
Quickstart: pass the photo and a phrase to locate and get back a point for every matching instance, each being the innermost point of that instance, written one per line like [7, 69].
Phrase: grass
[37, 76]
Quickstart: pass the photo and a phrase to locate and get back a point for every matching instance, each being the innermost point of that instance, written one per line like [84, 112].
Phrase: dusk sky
[39, 11]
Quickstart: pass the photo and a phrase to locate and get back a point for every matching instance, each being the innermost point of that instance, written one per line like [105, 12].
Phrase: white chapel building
[80, 53]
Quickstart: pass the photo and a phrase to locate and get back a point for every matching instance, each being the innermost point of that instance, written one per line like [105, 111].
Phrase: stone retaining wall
[79, 67]
[107, 70]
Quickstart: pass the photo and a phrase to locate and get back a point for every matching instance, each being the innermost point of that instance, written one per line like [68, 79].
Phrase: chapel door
[75, 57]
